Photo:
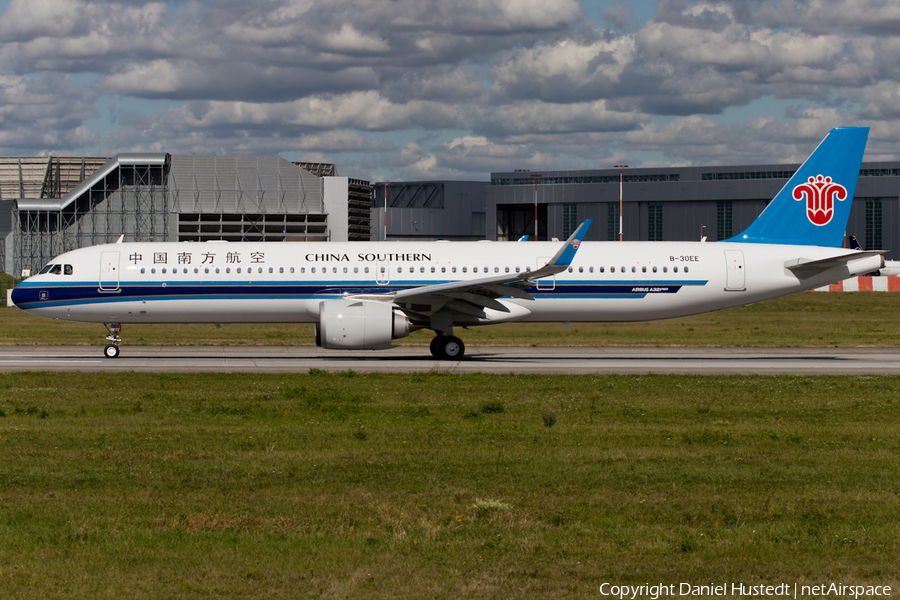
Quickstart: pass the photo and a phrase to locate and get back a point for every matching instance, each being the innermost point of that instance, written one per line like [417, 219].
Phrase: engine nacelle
[359, 324]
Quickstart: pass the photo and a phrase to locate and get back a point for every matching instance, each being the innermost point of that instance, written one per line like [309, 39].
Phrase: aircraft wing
[482, 293]
[823, 264]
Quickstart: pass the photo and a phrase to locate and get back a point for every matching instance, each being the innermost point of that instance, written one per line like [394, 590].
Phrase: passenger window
[196, 270]
[665, 269]
[366, 269]
[271, 269]
[153, 271]
[443, 269]
[464, 269]
[227, 270]
[675, 269]
[643, 269]
[432, 269]
[185, 270]
[474, 269]
[591, 269]
[355, 269]
[685, 269]
[164, 270]
[517, 269]
[68, 269]
[506, 269]
[654, 269]
[239, 270]
[634, 269]
[206, 270]
[281, 269]
[143, 270]
[601, 269]
[453, 269]
[292, 269]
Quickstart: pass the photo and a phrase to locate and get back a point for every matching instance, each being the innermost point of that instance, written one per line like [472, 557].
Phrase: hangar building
[49, 205]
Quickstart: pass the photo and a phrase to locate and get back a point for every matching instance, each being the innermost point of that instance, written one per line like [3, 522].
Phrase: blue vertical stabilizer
[813, 208]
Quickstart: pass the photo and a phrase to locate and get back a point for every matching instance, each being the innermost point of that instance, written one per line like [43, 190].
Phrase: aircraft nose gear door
[109, 271]
[734, 274]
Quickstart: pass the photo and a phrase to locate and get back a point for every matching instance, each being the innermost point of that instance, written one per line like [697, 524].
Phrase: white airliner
[364, 295]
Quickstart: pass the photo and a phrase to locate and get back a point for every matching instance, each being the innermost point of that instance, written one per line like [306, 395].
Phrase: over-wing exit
[364, 295]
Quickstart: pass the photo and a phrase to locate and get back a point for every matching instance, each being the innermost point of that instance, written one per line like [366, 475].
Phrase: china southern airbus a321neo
[364, 295]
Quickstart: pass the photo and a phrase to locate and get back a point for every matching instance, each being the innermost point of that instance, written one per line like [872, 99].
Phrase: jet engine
[359, 324]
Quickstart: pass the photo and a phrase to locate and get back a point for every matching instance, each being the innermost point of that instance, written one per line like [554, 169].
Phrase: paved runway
[700, 361]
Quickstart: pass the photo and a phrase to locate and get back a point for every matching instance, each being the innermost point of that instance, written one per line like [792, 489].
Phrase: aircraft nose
[18, 295]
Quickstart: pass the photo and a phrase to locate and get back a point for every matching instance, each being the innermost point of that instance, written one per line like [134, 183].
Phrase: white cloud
[426, 87]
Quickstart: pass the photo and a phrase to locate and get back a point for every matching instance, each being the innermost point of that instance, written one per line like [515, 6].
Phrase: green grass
[808, 319]
[441, 486]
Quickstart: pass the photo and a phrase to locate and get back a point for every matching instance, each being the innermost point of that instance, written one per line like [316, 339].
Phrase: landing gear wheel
[447, 348]
[112, 349]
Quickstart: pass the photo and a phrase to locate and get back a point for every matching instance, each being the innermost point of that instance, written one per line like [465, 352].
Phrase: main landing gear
[112, 348]
[447, 347]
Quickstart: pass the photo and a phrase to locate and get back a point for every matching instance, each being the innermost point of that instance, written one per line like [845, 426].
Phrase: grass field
[808, 319]
[441, 486]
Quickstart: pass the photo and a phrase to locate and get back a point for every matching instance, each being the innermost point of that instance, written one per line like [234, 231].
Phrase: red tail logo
[820, 193]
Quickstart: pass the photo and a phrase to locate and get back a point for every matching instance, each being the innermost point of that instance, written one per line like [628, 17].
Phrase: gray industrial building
[668, 204]
[49, 205]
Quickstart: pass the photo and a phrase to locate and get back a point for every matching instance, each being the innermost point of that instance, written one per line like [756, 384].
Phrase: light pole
[385, 210]
[536, 177]
[620, 167]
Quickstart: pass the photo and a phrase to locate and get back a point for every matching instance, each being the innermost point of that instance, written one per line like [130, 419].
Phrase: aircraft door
[734, 273]
[382, 272]
[109, 271]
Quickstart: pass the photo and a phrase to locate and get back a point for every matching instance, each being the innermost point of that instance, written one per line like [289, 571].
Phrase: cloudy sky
[450, 89]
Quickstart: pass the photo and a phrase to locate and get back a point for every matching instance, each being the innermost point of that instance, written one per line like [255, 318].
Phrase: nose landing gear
[112, 348]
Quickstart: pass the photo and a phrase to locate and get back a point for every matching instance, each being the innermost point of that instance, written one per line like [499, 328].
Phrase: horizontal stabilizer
[823, 264]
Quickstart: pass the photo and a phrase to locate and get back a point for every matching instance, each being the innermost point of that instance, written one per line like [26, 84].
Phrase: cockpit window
[56, 270]
[67, 269]
[46, 269]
